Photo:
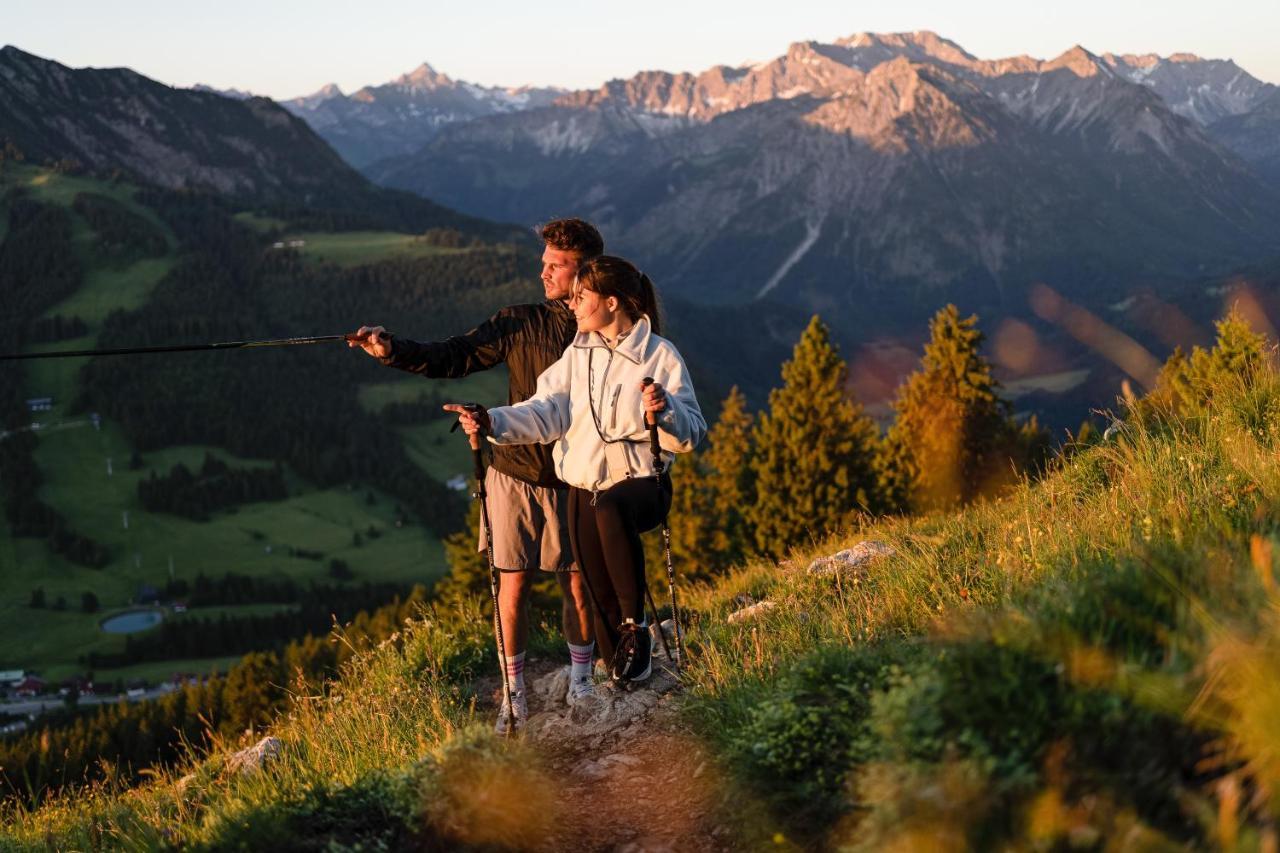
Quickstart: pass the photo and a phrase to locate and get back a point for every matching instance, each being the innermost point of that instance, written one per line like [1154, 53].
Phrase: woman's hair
[609, 275]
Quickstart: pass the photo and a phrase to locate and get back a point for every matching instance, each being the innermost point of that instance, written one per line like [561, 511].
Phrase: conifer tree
[730, 481]
[814, 450]
[953, 438]
[1186, 383]
[468, 567]
[713, 492]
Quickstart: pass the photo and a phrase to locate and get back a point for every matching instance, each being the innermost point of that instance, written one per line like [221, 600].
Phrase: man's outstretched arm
[481, 348]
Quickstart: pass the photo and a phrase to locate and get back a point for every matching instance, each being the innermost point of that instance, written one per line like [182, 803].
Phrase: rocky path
[628, 776]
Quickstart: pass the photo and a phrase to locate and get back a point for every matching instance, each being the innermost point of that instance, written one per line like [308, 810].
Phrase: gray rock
[253, 758]
[600, 719]
[553, 689]
[752, 611]
[853, 561]
[668, 631]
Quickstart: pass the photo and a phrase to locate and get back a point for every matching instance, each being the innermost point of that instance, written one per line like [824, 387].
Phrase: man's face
[558, 269]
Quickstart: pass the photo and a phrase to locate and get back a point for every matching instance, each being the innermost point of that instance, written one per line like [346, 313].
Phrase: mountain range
[897, 168]
[114, 120]
[870, 179]
[397, 118]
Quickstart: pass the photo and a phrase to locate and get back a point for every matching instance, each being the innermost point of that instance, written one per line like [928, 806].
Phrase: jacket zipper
[613, 421]
[604, 381]
[604, 384]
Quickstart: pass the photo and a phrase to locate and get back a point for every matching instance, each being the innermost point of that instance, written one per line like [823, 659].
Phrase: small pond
[132, 621]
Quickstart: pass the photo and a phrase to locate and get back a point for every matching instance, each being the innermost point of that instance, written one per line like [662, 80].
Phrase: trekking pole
[481, 495]
[91, 353]
[652, 420]
[653, 607]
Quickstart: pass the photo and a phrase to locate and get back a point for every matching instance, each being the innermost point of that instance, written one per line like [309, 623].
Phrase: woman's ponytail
[649, 301]
[610, 275]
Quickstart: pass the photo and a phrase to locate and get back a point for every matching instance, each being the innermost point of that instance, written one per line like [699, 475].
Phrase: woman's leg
[621, 514]
[584, 538]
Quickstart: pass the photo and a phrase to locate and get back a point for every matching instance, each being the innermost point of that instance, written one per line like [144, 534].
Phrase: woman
[592, 403]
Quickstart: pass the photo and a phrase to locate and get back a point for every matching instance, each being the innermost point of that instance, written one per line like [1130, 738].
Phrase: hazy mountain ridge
[118, 119]
[398, 117]
[1255, 135]
[896, 166]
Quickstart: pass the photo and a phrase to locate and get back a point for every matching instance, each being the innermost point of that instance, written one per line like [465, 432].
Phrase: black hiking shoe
[632, 659]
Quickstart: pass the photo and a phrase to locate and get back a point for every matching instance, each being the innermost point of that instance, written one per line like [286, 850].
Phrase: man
[527, 506]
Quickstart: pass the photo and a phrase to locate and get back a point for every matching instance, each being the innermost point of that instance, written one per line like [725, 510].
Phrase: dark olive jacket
[528, 339]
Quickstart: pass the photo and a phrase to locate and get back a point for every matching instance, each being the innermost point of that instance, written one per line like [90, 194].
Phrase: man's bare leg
[513, 608]
[513, 602]
[577, 610]
[577, 633]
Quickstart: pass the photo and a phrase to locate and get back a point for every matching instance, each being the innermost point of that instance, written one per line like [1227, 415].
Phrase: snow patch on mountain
[813, 230]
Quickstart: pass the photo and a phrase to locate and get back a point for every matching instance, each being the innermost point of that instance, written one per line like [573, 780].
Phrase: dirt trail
[628, 776]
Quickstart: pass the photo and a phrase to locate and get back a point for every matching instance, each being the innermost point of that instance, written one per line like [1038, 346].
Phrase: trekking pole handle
[474, 439]
[651, 418]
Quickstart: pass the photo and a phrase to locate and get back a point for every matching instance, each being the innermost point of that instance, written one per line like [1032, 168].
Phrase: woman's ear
[612, 303]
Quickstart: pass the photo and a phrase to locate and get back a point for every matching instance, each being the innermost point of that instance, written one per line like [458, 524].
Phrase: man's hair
[573, 235]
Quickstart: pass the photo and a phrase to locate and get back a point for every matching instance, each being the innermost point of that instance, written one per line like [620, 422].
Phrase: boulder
[751, 611]
[253, 758]
[853, 561]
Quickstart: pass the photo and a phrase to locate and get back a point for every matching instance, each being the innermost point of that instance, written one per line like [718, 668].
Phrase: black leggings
[606, 543]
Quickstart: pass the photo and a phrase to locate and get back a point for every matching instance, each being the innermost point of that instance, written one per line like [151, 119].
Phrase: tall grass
[346, 768]
[1089, 661]
[1105, 635]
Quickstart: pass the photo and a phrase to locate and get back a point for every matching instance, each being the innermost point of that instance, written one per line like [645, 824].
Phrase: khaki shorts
[530, 525]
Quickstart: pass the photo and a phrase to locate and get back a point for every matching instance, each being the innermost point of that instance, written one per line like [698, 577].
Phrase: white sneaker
[583, 687]
[508, 721]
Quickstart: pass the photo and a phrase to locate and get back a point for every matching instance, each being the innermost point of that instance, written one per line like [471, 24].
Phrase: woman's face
[593, 311]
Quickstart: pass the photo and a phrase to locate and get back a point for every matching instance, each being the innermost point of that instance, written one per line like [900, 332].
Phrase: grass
[431, 445]
[1087, 659]
[258, 223]
[254, 539]
[358, 766]
[74, 457]
[51, 187]
[158, 671]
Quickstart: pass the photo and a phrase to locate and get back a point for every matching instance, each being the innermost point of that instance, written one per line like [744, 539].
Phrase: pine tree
[814, 450]
[468, 568]
[730, 481]
[953, 438]
[1187, 383]
[713, 491]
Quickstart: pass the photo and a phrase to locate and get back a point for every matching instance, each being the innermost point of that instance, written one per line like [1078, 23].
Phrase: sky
[285, 49]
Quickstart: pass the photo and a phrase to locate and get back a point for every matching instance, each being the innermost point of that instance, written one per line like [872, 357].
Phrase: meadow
[88, 472]
[1084, 661]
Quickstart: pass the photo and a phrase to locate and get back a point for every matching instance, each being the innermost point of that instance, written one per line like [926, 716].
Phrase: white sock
[581, 660]
[515, 672]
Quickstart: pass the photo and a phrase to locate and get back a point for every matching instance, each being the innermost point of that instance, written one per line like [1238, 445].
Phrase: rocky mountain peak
[1203, 90]
[869, 49]
[423, 78]
[1078, 61]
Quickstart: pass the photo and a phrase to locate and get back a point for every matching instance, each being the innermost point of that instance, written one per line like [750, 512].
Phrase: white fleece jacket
[589, 403]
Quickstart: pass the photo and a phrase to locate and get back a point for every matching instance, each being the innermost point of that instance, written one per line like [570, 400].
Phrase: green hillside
[90, 472]
[1085, 662]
